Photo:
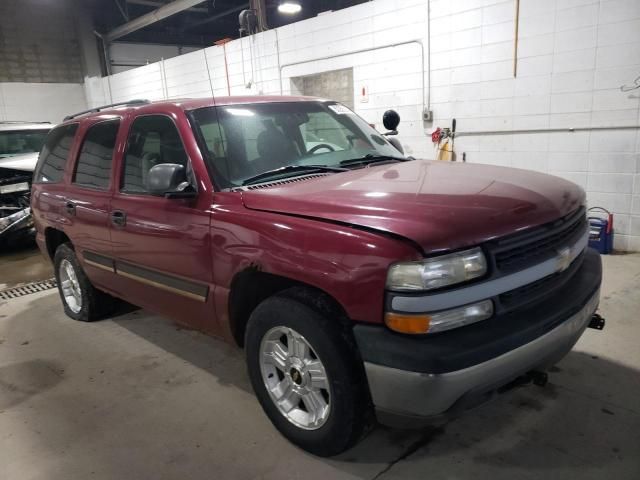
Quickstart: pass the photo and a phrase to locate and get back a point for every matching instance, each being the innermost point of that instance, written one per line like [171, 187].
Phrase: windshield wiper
[291, 169]
[372, 158]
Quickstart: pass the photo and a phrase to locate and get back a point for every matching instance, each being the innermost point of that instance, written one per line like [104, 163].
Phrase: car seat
[275, 150]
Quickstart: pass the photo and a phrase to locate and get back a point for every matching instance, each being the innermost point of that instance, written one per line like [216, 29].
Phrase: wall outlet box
[427, 115]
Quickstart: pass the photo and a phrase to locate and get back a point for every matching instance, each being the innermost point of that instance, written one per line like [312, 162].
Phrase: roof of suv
[8, 126]
[194, 103]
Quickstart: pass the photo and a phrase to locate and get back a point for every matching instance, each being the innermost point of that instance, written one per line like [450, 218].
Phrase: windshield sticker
[340, 109]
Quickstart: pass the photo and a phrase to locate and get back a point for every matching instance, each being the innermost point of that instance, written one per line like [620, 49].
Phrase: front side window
[243, 141]
[54, 154]
[18, 142]
[153, 139]
[94, 162]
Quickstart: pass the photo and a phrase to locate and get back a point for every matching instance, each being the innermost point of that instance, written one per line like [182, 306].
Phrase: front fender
[347, 263]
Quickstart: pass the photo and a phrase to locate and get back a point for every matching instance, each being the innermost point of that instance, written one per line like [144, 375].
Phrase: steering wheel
[321, 145]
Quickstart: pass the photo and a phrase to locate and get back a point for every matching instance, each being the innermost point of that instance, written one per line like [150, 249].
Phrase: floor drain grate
[27, 289]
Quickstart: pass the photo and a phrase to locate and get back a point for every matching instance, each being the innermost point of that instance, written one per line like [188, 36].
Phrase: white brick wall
[44, 102]
[573, 56]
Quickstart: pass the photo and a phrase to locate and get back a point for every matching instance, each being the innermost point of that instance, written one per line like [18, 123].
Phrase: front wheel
[307, 375]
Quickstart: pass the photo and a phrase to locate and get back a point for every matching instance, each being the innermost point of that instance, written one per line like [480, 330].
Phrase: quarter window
[154, 139]
[94, 162]
[54, 154]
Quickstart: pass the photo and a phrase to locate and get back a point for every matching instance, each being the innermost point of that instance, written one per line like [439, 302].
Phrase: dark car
[362, 284]
[20, 143]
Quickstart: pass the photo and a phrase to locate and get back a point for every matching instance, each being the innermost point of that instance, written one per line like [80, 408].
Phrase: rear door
[88, 196]
[160, 245]
[48, 201]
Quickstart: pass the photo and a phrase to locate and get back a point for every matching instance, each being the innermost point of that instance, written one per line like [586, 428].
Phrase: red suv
[362, 284]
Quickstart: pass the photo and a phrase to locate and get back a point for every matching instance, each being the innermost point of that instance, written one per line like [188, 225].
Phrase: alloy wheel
[295, 378]
[70, 287]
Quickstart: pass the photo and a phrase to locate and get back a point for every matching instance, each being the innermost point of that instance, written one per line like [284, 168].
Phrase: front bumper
[418, 377]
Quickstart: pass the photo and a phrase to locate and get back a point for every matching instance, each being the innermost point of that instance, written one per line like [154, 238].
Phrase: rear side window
[93, 168]
[153, 139]
[54, 154]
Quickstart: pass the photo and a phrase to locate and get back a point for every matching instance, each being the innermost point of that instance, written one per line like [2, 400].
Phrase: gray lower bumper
[412, 394]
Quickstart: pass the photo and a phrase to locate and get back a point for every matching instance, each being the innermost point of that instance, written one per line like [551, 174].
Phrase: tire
[322, 429]
[90, 303]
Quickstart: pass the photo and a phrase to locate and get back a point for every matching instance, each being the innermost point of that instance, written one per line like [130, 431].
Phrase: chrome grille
[539, 289]
[528, 248]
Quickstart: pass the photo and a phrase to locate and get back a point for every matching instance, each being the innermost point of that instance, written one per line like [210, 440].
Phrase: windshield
[243, 141]
[16, 142]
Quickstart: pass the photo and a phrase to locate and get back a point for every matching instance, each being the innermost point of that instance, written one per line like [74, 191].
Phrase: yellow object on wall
[446, 152]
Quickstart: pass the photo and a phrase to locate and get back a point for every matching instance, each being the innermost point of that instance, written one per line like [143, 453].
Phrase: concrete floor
[22, 264]
[137, 397]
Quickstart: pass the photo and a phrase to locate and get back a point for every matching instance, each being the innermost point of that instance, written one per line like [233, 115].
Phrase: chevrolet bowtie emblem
[563, 259]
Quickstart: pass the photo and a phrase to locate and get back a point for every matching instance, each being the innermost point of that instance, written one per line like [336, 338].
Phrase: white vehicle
[20, 144]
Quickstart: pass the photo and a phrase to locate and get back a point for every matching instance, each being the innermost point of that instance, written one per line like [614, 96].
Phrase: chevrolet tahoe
[363, 284]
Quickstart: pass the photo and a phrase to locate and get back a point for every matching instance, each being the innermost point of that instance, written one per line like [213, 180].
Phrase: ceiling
[199, 26]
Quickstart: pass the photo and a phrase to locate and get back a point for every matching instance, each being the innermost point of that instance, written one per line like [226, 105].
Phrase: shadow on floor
[587, 415]
[584, 424]
[223, 361]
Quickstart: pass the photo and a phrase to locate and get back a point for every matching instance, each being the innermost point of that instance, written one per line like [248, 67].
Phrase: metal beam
[158, 3]
[150, 18]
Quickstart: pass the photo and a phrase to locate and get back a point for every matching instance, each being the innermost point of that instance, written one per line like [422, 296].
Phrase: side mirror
[391, 120]
[169, 180]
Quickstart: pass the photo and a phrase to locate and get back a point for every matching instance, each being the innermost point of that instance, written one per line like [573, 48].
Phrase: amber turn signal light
[407, 323]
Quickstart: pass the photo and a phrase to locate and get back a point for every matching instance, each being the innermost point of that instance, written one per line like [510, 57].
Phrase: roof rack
[97, 109]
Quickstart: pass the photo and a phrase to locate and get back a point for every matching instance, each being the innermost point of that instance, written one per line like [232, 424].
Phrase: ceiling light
[289, 7]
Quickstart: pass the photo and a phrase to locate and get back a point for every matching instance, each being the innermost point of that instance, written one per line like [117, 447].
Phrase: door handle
[118, 218]
[70, 208]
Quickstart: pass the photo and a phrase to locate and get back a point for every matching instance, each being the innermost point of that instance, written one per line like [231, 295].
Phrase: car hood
[25, 162]
[438, 205]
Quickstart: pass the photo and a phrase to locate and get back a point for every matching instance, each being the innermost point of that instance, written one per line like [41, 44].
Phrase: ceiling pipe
[260, 8]
[105, 53]
[223, 13]
[150, 18]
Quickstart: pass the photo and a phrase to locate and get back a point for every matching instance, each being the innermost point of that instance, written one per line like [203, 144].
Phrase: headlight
[16, 187]
[437, 272]
[439, 321]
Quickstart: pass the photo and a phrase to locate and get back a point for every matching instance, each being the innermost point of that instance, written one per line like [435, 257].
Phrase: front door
[161, 245]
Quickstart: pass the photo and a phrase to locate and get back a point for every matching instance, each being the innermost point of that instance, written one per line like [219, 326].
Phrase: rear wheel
[80, 299]
[307, 375]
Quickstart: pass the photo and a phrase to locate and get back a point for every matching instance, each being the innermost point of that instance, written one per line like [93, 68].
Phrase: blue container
[601, 230]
